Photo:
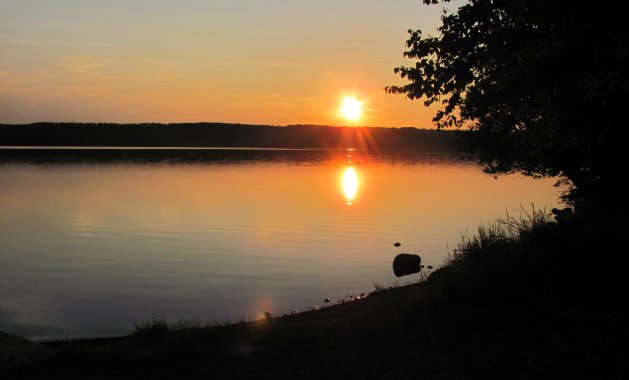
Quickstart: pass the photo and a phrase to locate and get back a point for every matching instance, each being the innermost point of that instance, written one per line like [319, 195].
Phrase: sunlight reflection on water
[349, 184]
[92, 243]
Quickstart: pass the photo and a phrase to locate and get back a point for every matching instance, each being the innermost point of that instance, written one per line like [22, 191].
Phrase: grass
[504, 234]
[523, 298]
[160, 326]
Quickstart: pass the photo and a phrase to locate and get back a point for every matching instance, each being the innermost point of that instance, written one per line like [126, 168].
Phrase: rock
[429, 267]
[397, 244]
[267, 315]
[326, 300]
[405, 264]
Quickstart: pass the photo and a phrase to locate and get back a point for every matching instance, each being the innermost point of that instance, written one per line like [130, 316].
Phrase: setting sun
[351, 109]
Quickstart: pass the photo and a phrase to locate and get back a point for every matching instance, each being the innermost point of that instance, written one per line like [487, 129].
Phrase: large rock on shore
[405, 264]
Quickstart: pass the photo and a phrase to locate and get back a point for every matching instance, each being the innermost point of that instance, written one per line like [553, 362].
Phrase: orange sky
[270, 62]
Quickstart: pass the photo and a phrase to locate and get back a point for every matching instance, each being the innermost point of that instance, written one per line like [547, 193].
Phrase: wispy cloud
[280, 64]
[83, 64]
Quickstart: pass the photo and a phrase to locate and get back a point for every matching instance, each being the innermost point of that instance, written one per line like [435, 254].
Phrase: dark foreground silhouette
[548, 301]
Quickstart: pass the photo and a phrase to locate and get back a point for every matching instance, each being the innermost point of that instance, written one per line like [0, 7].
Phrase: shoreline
[515, 307]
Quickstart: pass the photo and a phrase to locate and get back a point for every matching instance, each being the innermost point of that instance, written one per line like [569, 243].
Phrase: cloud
[83, 64]
[280, 64]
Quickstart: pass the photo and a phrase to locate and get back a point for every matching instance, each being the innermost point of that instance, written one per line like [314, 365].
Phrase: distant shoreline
[162, 148]
[220, 135]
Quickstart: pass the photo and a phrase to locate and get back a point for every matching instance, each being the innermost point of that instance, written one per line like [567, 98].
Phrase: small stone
[429, 266]
[397, 244]
[326, 300]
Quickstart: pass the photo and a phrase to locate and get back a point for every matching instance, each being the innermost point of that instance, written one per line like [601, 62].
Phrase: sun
[351, 109]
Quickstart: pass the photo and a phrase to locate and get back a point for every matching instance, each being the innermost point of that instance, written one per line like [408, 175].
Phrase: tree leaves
[541, 84]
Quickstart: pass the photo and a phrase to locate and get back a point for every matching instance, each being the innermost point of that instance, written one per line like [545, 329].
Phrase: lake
[95, 240]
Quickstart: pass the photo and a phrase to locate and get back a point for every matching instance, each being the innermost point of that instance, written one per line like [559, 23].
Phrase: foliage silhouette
[541, 84]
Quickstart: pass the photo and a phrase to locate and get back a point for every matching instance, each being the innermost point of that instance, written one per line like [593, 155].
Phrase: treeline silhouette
[225, 135]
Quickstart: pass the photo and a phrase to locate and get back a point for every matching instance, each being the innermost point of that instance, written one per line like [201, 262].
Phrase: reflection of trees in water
[217, 156]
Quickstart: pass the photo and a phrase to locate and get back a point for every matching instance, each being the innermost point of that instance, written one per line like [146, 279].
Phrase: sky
[275, 62]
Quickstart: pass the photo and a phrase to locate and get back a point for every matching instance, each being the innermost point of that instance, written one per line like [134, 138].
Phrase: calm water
[92, 243]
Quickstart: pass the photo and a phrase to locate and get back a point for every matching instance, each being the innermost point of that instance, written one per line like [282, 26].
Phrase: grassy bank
[522, 299]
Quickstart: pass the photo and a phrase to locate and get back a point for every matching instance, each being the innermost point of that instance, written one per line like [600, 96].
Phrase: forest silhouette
[225, 135]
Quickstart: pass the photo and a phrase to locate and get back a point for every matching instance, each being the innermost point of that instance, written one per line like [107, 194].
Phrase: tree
[542, 85]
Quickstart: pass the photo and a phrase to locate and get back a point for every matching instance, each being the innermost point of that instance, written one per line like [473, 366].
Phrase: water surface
[93, 242]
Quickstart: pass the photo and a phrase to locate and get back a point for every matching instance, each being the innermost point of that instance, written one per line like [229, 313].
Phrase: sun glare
[351, 109]
[349, 183]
